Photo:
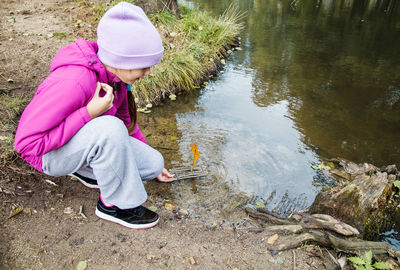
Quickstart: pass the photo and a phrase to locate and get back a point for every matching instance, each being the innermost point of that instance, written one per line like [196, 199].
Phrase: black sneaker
[90, 183]
[135, 218]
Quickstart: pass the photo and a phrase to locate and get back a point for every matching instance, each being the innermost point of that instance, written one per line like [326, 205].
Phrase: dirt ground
[50, 232]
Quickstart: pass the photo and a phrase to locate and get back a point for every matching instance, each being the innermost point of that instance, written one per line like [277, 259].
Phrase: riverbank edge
[196, 46]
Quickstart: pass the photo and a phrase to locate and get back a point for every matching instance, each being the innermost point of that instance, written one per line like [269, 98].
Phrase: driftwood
[303, 221]
[320, 229]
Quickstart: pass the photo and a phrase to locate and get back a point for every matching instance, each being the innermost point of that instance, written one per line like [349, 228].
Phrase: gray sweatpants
[103, 150]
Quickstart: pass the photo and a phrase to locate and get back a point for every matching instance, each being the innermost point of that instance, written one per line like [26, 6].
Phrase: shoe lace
[139, 211]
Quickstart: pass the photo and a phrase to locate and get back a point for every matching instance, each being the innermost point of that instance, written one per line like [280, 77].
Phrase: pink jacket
[58, 108]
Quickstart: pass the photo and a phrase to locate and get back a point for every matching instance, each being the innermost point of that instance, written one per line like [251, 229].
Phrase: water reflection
[314, 79]
[337, 65]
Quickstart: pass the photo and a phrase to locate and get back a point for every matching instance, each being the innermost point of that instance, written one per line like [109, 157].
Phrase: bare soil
[50, 233]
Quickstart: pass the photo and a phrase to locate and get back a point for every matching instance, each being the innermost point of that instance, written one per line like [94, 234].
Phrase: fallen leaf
[153, 208]
[169, 206]
[196, 154]
[183, 212]
[16, 212]
[81, 265]
[223, 61]
[170, 261]
[149, 105]
[173, 34]
[192, 261]
[172, 97]
[174, 138]
[150, 256]
[272, 239]
[233, 206]
[320, 167]
[68, 210]
[397, 183]
[331, 165]
[342, 262]
[259, 204]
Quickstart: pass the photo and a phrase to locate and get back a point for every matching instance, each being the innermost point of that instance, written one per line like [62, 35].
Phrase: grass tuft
[193, 47]
[13, 106]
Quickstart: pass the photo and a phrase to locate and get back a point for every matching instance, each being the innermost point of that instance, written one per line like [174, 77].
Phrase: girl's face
[129, 76]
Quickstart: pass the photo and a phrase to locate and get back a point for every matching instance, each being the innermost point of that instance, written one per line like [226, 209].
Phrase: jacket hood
[82, 53]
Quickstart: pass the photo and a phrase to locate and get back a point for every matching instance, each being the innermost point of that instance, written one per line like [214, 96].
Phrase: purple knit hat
[127, 39]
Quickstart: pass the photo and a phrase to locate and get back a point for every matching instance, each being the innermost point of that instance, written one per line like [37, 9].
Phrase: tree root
[317, 228]
[329, 240]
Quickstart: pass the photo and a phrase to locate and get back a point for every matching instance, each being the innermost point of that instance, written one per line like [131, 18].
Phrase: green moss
[384, 218]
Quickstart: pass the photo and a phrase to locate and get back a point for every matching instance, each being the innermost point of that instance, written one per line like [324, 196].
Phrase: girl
[82, 119]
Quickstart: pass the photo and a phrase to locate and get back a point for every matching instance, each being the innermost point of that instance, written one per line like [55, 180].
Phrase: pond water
[314, 80]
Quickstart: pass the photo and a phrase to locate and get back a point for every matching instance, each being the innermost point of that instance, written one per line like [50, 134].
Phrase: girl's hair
[132, 111]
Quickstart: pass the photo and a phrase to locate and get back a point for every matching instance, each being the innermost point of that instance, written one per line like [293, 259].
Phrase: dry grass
[193, 47]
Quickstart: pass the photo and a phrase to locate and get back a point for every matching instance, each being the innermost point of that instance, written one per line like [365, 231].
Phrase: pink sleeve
[55, 114]
[123, 110]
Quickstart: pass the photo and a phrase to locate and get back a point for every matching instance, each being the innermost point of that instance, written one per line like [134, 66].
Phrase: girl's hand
[99, 105]
[165, 176]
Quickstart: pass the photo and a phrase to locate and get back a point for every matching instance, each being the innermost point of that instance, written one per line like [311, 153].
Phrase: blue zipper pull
[128, 87]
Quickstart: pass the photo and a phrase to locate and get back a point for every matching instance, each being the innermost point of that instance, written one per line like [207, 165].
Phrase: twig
[81, 211]
[333, 258]
[166, 148]
[8, 90]
[294, 259]
[51, 182]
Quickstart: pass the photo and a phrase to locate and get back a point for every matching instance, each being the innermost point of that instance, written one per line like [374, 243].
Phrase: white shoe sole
[123, 223]
[86, 184]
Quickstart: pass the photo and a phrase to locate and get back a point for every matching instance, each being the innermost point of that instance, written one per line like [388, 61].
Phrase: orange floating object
[196, 155]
